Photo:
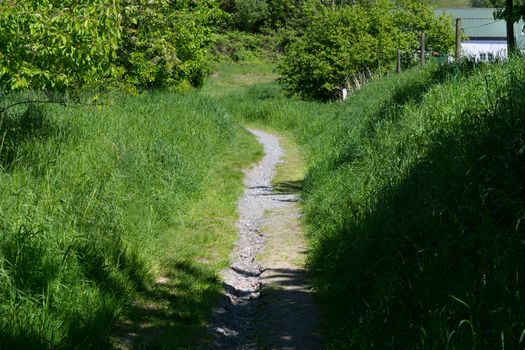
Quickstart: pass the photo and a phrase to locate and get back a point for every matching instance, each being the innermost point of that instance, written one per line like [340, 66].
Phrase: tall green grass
[414, 200]
[93, 207]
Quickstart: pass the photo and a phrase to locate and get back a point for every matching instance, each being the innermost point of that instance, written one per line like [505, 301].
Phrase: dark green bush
[244, 47]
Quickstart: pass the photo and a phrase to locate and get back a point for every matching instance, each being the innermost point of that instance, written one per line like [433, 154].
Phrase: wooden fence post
[511, 39]
[398, 69]
[458, 40]
[422, 53]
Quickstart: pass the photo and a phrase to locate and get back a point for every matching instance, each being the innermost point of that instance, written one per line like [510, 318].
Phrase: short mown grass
[97, 204]
[414, 201]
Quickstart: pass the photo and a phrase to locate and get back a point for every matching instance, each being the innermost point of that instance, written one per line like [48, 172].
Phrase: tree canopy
[57, 45]
[511, 10]
[66, 46]
[341, 42]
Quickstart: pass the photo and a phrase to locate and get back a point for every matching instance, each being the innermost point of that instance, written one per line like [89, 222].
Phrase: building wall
[479, 23]
[485, 50]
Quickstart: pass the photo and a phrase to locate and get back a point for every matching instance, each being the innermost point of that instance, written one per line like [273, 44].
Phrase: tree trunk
[511, 41]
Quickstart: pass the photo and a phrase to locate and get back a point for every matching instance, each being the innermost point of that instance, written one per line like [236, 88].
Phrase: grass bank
[414, 203]
[134, 200]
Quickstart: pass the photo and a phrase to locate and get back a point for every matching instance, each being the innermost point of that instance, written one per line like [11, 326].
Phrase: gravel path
[267, 302]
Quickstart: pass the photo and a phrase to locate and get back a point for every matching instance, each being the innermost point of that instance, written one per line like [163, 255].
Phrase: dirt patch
[286, 316]
[268, 302]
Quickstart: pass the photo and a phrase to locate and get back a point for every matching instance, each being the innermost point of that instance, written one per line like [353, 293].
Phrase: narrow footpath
[268, 302]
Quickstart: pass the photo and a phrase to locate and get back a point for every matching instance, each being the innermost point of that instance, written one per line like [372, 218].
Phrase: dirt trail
[268, 302]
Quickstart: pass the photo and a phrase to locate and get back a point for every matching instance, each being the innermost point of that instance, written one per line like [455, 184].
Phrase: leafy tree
[59, 46]
[260, 15]
[413, 17]
[511, 11]
[335, 46]
[250, 14]
[340, 43]
[282, 13]
[66, 46]
[164, 42]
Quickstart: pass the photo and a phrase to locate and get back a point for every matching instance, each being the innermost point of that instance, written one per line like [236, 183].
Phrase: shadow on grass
[438, 262]
[288, 187]
[21, 127]
[413, 92]
[411, 89]
[173, 312]
[286, 315]
[21, 340]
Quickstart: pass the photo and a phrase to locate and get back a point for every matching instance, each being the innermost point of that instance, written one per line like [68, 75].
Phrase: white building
[486, 37]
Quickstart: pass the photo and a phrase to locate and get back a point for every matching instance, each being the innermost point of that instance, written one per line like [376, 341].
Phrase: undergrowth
[414, 201]
[94, 207]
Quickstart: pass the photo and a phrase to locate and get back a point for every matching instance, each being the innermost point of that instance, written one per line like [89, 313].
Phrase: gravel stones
[232, 321]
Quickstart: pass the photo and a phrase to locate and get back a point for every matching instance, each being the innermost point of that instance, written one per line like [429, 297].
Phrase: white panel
[485, 50]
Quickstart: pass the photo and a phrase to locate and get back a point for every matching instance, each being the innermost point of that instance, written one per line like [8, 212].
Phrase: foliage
[237, 46]
[250, 14]
[51, 45]
[165, 42]
[64, 46]
[460, 3]
[282, 12]
[257, 16]
[339, 44]
[503, 12]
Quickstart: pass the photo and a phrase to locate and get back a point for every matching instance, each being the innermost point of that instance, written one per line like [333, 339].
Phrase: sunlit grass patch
[228, 77]
[92, 198]
[172, 312]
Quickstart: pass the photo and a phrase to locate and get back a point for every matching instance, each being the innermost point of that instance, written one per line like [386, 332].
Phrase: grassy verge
[94, 209]
[172, 313]
[414, 202]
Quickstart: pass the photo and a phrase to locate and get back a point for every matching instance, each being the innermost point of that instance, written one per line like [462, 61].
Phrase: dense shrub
[244, 47]
[255, 16]
[249, 15]
[339, 44]
[165, 43]
[60, 46]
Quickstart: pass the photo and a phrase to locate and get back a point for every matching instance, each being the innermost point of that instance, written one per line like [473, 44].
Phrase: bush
[165, 44]
[64, 46]
[338, 45]
[244, 47]
[249, 15]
